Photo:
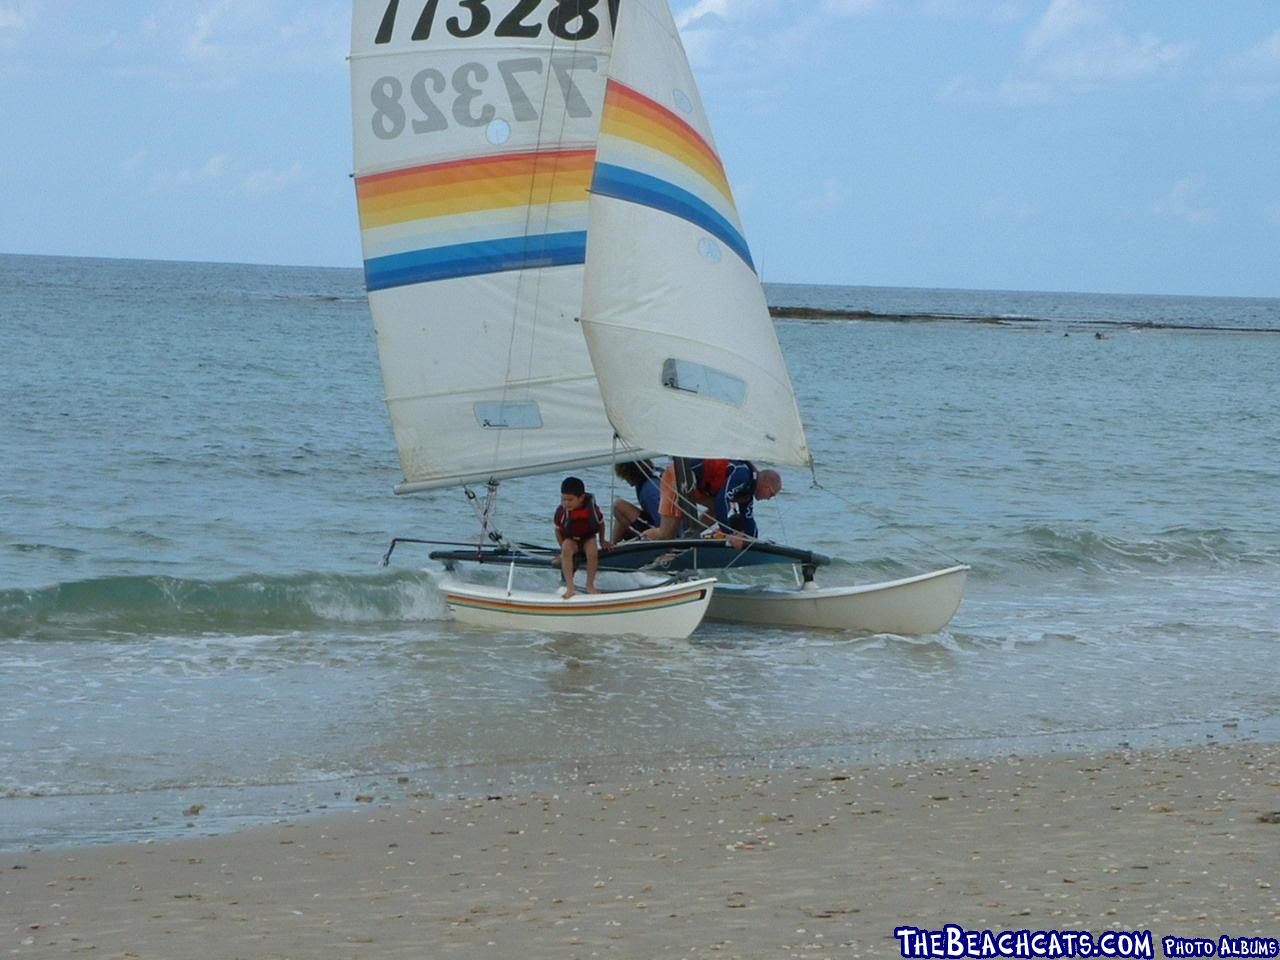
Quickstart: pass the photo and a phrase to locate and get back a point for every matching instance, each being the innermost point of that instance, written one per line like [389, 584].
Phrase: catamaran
[559, 279]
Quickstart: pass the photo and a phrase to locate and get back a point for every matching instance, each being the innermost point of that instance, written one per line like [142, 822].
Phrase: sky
[1116, 146]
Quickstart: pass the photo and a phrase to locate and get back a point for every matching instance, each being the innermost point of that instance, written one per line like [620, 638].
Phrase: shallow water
[197, 492]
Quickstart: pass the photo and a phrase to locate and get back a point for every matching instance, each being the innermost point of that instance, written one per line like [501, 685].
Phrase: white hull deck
[672, 610]
[910, 607]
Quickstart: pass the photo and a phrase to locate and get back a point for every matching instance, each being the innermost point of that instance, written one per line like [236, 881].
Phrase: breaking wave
[157, 604]
[1051, 548]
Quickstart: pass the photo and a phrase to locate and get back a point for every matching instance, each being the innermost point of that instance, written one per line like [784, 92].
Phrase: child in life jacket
[579, 525]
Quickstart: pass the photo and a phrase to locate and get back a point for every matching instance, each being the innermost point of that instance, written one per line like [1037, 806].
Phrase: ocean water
[196, 492]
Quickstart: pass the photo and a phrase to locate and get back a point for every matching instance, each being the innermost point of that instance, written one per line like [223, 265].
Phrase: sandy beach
[804, 863]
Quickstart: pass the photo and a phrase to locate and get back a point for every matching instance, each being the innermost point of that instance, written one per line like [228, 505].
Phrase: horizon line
[357, 267]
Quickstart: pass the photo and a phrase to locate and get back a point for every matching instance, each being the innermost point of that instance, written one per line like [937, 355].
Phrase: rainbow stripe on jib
[651, 156]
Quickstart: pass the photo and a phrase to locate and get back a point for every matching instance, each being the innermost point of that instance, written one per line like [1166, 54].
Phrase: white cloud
[131, 165]
[263, 182]
[834, 194]
[1115, 59]
[17, 15]
[14, 20]
[213, 169]
[1185, 201]
[1063, 20]
[729, 10]
[1243, 91]
[227, 42]
[1075, 47]
[1013, 91]
[1078, 42]
[737, 36]
[222, 31]
[728, 33]
[998, 10]
[1263, 58]
[855, 8]
[1250, 76]
[720, 9]
[718, 32]
[219, 168]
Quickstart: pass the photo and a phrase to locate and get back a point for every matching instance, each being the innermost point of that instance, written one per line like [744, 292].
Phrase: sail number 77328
[470, 106]
[567, 19]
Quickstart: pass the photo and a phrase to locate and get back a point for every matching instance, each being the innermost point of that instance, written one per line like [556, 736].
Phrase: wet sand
[802, 863]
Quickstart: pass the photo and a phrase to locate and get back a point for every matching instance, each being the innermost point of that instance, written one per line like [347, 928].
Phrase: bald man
[727, 488]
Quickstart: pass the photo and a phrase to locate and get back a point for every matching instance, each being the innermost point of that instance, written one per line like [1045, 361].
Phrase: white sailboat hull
[910, 607]
[672, 610]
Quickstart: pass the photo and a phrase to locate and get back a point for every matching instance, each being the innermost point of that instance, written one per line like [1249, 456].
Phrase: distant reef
[826, 313]
[822, 313]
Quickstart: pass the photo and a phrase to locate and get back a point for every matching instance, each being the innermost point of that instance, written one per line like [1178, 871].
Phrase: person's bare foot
[569, 592]
[594, 590]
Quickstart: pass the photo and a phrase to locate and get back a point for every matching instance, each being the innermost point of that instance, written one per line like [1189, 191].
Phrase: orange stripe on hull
[561, 608]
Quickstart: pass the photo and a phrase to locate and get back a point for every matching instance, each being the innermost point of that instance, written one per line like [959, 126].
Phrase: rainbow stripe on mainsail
[468, 217]
[648, 155]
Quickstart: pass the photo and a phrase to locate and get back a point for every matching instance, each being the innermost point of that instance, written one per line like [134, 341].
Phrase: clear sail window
[509, 416]
[690, 377]
[498, 132]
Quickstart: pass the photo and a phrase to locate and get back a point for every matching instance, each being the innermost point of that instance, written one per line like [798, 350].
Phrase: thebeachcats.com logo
[954, 941]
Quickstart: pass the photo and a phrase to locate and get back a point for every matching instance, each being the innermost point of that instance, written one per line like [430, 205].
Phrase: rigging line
[683, 502]
[886, 520]
[613, 475]
[528, 221]
[551, 189]
[750, 542]
[690, 509]
[475, 506]
[485, 514]
[782, 521]
[491, 513]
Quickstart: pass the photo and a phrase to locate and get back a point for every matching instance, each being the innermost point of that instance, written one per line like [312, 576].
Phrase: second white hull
[910, 607]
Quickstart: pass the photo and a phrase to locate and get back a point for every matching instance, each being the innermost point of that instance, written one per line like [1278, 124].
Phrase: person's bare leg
[593, 558]
[568, 550]
[668, 513]
[668, 529]
[625, 513]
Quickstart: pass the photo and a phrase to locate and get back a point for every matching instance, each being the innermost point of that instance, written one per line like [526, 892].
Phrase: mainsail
[674, 314]
[475, 128]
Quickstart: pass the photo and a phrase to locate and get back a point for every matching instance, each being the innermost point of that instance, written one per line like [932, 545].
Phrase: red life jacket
[580, 523]
[715, 473]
